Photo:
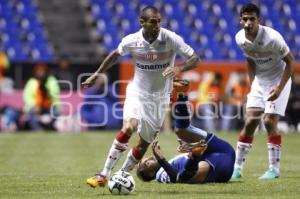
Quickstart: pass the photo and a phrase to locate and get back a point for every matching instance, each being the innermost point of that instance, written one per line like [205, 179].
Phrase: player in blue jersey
[208, 161]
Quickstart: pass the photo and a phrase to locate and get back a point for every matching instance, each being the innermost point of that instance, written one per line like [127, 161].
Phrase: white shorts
[257, 98]
[148, 109]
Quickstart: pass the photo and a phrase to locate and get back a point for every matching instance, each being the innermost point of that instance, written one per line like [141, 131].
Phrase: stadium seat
[19, 25]
[214, 22]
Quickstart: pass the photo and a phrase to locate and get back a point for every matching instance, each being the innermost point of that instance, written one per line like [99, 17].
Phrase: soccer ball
[121, 183]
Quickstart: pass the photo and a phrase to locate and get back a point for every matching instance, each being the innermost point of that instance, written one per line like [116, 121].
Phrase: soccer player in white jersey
[270, 69]
[147, 97]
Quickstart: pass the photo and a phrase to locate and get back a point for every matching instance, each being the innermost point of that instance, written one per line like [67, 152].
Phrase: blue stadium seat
[200, 23]
[20, 26]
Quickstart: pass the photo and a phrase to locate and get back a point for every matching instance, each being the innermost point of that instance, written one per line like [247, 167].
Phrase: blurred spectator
[101, 108]
[6, 84]
[236, 93]
[8, 115]
[293, 107]
[41, 97]
[65, 75]
[9, 120]
[209, 96]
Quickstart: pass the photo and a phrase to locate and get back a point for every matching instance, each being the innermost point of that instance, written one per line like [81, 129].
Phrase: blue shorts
[220, 155]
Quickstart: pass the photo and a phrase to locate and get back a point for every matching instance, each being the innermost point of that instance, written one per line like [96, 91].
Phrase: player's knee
[129, 128]
[269, 123]
[251, 122]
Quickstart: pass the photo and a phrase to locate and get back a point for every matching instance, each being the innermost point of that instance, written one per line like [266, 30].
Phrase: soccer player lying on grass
[207, 160]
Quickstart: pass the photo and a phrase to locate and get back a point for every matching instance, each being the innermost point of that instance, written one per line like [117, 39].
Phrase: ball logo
[121, 180]
[121, 183]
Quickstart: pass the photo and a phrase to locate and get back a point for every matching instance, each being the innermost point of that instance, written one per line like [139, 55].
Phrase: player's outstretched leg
[119, 145]
[135, 155]
[190, 138]
[182, 114]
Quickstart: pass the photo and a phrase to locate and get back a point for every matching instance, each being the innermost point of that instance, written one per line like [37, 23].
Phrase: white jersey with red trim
[152, 59]
[267, 51]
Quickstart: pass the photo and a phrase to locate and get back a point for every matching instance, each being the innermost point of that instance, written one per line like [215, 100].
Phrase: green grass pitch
[50, 165]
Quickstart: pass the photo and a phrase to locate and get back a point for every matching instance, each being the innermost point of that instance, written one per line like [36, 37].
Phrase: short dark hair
[142, 175]
[250, 7]
[144, 13]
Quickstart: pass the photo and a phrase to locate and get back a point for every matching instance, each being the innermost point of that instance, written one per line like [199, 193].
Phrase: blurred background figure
[41, 98]
[209, 96]
[8, 115]
[293, 107]
[101, 108]
[6, 83]
[9, 120]
[232, 110]
[65, 76]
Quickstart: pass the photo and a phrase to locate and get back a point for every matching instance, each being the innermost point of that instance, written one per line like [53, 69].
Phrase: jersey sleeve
[162, 176]
[238, 41]
[123, 46]
[181, 47]
[280, 46]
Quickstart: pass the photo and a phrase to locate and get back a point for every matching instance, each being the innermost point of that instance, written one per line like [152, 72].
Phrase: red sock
[246, 139]
[122, 137]
[275, 139]
[136, 154]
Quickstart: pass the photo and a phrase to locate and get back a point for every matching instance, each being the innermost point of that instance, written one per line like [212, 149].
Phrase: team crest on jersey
[151, 56]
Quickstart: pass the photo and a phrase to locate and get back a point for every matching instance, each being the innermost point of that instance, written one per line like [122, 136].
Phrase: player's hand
[170, 72]
[274, 94]
[90, 81]
[157, 151]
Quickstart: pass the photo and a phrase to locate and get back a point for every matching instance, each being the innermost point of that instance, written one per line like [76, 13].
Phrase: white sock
[130, 162]
[114, 155]
[274, 151]
[242, 150]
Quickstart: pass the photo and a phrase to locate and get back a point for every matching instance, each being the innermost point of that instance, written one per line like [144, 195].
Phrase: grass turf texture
[49, 165]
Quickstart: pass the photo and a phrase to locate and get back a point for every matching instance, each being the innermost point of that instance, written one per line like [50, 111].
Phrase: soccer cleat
[196, 148]
[97, 180]
[180, 87]
[269, 175]
[237, 174]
